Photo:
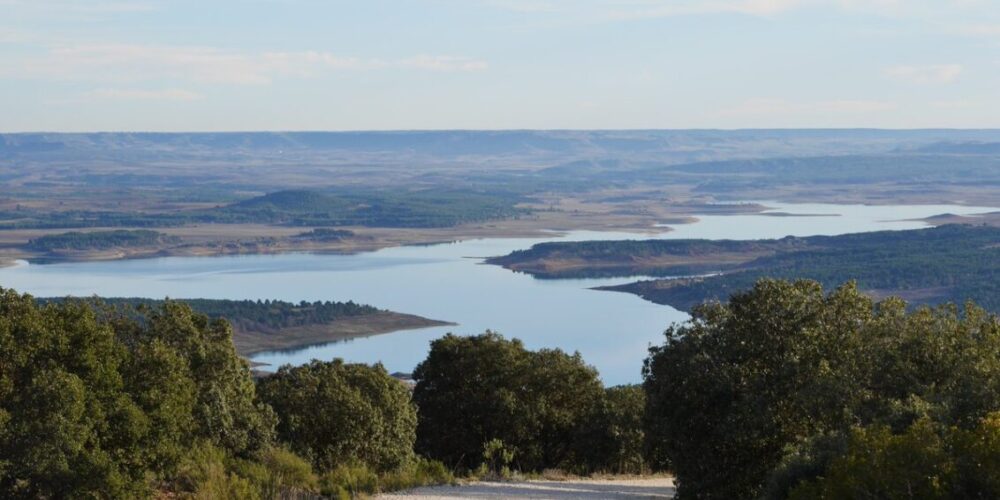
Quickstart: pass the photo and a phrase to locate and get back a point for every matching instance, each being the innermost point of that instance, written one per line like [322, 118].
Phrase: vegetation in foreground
[98, 403]
[487, 403]
[106, 401]
[787, 392]
[783, 392]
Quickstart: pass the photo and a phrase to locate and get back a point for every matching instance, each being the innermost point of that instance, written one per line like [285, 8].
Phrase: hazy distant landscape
[383, 185]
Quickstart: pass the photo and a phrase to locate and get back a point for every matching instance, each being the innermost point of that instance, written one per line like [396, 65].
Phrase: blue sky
[208, 65]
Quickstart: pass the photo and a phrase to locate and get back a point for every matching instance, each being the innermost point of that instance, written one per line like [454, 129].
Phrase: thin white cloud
[771, 108]
[80, 6]
[124, 63]
[143, 95]
[956, 104]
[623, 10]
[926, 74]
[976, 30]
[444, 63]
[8, 35]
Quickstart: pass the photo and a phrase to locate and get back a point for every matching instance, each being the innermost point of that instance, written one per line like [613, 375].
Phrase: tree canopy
[93, 403]
[769, 383]
[338, 413]
[544, 406]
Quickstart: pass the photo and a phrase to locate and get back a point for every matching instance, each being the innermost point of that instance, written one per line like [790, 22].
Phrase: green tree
[740, 381]
[98, 403]
[227, 411]
[623, 436]
[763, 390]
[338, 413]
[472, 390]
[70, 428]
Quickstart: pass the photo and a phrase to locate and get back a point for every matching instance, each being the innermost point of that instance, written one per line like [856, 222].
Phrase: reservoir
[449, 282]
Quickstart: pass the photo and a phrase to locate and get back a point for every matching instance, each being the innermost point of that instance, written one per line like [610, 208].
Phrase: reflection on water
[611, 330]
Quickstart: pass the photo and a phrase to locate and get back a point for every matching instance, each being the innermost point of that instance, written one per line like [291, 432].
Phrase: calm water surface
[448, 282]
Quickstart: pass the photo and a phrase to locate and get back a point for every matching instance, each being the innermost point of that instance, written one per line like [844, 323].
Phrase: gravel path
[632, 489]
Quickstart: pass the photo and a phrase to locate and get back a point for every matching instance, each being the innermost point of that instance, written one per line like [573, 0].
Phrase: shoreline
[215, 240]
[250, 344]
[264, 243]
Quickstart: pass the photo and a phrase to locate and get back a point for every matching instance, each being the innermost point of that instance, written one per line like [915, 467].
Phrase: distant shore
[209, 240]
[249, 344]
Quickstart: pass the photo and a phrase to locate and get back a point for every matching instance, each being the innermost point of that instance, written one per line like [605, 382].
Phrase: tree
[764, 389]
[612, 439]
[473, 390]
[227, 411]
[337, 413]
[94, 402]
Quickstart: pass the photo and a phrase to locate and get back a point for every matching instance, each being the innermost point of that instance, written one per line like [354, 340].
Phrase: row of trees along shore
[785, 391]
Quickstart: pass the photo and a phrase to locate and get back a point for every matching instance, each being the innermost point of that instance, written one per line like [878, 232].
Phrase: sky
[234, 65]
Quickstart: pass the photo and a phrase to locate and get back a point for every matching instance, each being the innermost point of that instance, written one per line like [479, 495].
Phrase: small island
[274, 325]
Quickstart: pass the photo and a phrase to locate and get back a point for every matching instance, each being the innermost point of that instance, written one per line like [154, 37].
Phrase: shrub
[340, 414]
[420, 472]
[277, 473]
[353, 478]
[497, 459]
[472, 390]
[923, 461]
[203, 475]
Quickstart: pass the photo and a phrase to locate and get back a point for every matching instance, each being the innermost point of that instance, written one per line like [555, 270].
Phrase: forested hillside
[951, 263]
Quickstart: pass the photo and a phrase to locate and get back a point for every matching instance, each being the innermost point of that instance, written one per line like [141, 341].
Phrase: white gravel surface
[659, 487]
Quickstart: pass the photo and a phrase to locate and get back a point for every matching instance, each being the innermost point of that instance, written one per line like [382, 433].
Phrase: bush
[472, 390]
[878, 464]
[277, 473]
[496, 459]
[339, 414]
[352, 480]
[203, 475]
[925, 460]
[420, 472]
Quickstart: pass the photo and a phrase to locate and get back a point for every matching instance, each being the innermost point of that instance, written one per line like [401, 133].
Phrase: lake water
[448, 282]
